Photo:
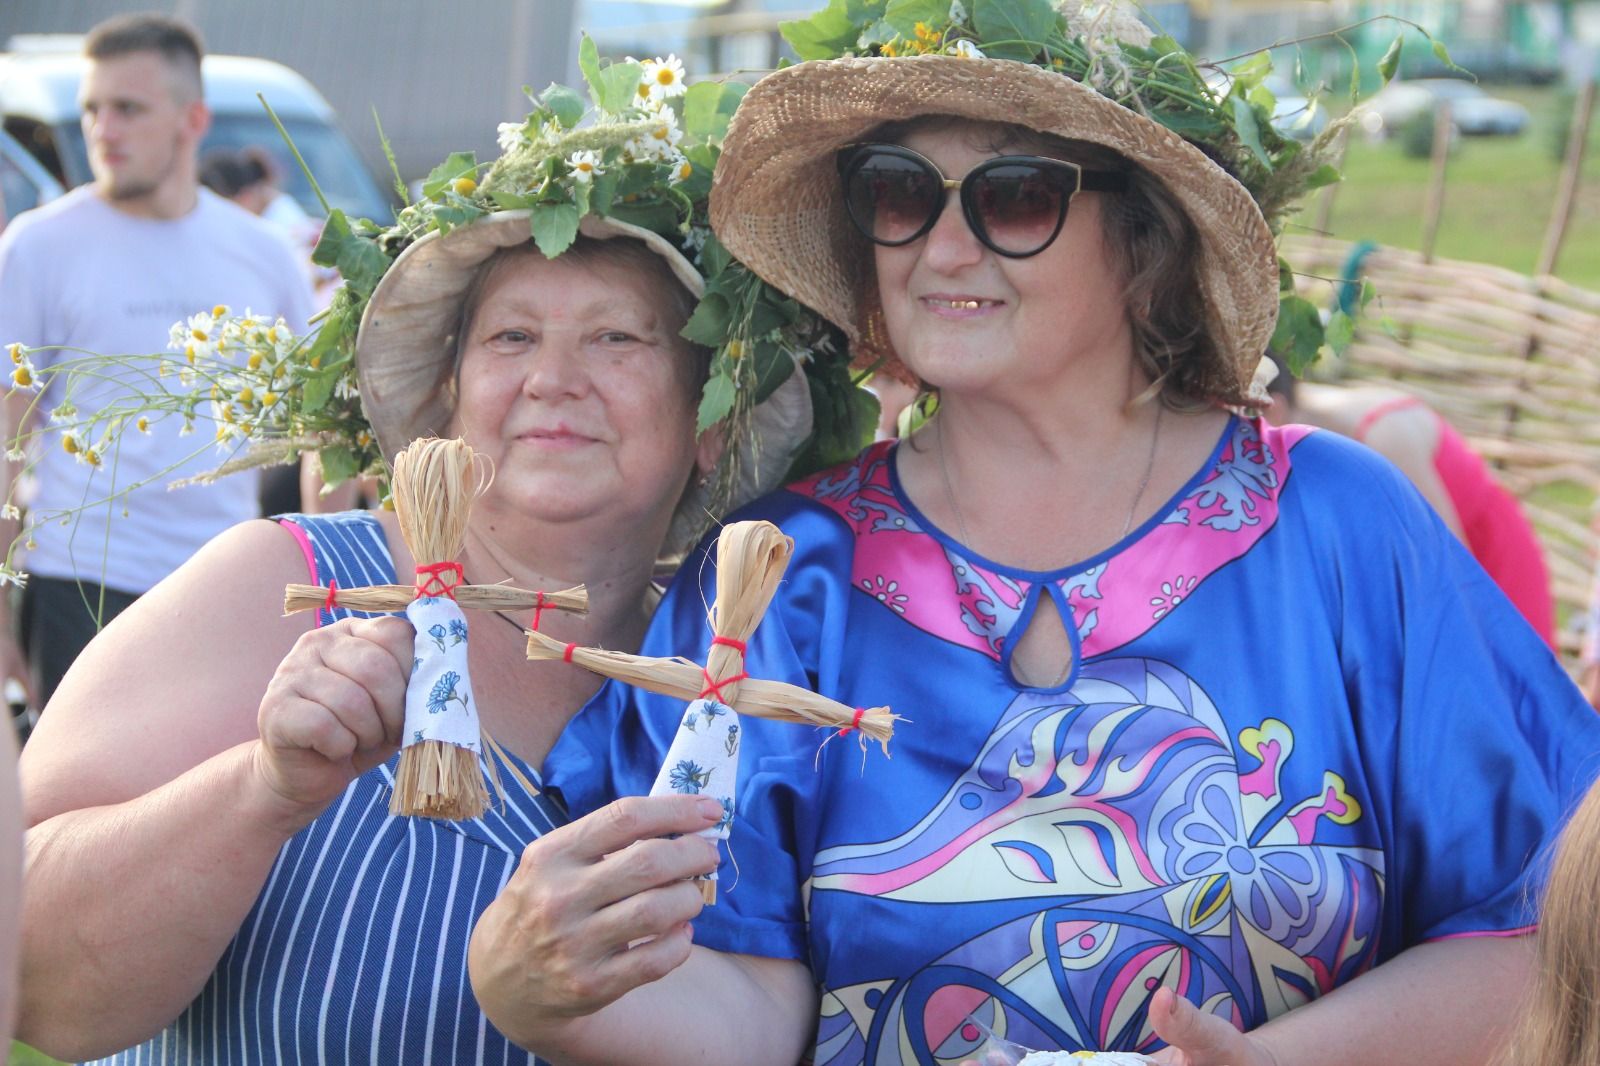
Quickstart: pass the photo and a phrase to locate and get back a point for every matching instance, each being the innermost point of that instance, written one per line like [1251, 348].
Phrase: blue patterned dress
[356, 950]
[1302, 731]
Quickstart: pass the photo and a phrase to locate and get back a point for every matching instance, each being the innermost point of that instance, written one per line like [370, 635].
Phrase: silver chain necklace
[1133, 508]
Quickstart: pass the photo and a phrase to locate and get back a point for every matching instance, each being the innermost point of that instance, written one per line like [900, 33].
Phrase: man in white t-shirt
[108, 268]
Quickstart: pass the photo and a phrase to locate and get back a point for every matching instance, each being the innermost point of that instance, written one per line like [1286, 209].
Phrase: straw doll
[703, 758]
[438, 775]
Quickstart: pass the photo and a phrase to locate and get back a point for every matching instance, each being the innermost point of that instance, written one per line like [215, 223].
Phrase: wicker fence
[1512, 361]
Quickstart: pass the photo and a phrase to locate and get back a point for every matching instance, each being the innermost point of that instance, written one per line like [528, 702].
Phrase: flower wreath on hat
[1227, 115]
[639, 151]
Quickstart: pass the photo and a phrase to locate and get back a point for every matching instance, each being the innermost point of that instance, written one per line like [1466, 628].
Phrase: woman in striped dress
[214, 875]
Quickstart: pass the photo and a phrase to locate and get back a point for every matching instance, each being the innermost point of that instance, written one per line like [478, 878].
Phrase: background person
[1561, 1020]
[108, 268]
[1213, 727]
[1444, 468]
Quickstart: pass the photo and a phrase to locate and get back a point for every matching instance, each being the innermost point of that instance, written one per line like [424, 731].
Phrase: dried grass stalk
[395, 598]
[439, 780]
[751, 557]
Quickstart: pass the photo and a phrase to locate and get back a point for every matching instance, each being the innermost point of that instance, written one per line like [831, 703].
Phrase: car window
[17, 192]
[340, 174]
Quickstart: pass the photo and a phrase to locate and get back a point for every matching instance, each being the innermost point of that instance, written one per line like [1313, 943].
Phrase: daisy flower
[664, 77]
[585, 165]
[511, 135]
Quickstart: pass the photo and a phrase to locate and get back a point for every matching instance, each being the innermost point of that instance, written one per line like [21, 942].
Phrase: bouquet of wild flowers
[640, 147]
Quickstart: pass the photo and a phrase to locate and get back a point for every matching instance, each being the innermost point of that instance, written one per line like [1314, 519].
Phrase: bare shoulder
[174, 680]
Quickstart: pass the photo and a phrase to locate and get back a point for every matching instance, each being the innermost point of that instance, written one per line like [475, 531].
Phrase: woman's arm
[158, 804]
[1446, 1002]
[585, 956]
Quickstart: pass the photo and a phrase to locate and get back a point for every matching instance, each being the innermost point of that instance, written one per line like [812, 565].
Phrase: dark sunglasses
[1015, 204]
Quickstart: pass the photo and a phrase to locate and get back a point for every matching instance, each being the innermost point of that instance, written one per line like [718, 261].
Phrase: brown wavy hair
[1561, 1020]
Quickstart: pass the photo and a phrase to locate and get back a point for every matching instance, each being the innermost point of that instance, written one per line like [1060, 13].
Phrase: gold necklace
[1133, 508]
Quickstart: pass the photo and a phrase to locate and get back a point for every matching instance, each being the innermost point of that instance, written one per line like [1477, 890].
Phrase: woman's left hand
[1195, 1038]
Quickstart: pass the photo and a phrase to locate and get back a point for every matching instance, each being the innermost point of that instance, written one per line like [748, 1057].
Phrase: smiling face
[142, 123]
[572, 379]
[964, 319]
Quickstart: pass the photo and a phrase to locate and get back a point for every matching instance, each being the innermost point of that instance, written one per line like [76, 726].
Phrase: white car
[24, 182]
[39, 101]
[1472, 111]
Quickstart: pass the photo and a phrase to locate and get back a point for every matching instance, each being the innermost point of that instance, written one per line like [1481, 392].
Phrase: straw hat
[777, 206]
[405, 347]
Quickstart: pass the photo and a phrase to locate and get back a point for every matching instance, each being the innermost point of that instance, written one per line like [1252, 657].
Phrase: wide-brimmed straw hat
[405, 350]
[777, 205]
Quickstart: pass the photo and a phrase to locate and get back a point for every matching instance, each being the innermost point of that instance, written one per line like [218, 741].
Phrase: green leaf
[1252, 70]
[707, 107]
[604, 191]
[359, 260]
[458, 165]
[318, 388]
[714, 257]
[767, 316]
[1442, 54]
[709, 323]
[1299, 338]
[1198, 125]
[903, 15]
[1368, 291]
[715, 402]
[825, 35]
[655, 216]
[457, 212]
[564, 103]
[555, 227]
[773, 365]
[619, 86]
[1339, 332]
[1326, 174]
[1391, 59]
[1262, 98]
[581, 193]
[1244, 120]
[1012, 21]
[589, 64]
[511, 201]
[1285, 275]
[338, 464]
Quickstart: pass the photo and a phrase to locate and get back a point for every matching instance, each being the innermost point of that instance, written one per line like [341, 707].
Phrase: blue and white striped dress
[356, 950]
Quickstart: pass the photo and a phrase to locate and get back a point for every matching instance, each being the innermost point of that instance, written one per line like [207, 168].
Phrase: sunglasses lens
[891, 197]
[1021, 205]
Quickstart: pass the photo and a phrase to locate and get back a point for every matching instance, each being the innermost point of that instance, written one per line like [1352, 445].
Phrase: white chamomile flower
[511, 135]
[958, 11]
[15, 455]
[9, 576]
[10, 513]
[585, 165]
[682, 169]
[966, 49]
[664, 78]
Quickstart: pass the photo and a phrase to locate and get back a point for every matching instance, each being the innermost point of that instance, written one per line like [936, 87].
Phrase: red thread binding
[538, 611]
[566, 656]
[439, 579]
[729, 642]
[333, 591]
[713, 689]
[855, 723]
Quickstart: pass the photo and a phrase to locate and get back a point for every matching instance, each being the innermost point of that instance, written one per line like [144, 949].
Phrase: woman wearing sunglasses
[1207, 719]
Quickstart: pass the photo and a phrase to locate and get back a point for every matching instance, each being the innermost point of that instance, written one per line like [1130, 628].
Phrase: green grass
[23, 1055]
[1499, 193]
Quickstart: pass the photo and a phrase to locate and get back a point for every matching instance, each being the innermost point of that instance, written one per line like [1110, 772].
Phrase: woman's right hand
[595, 909]
[335, 708]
